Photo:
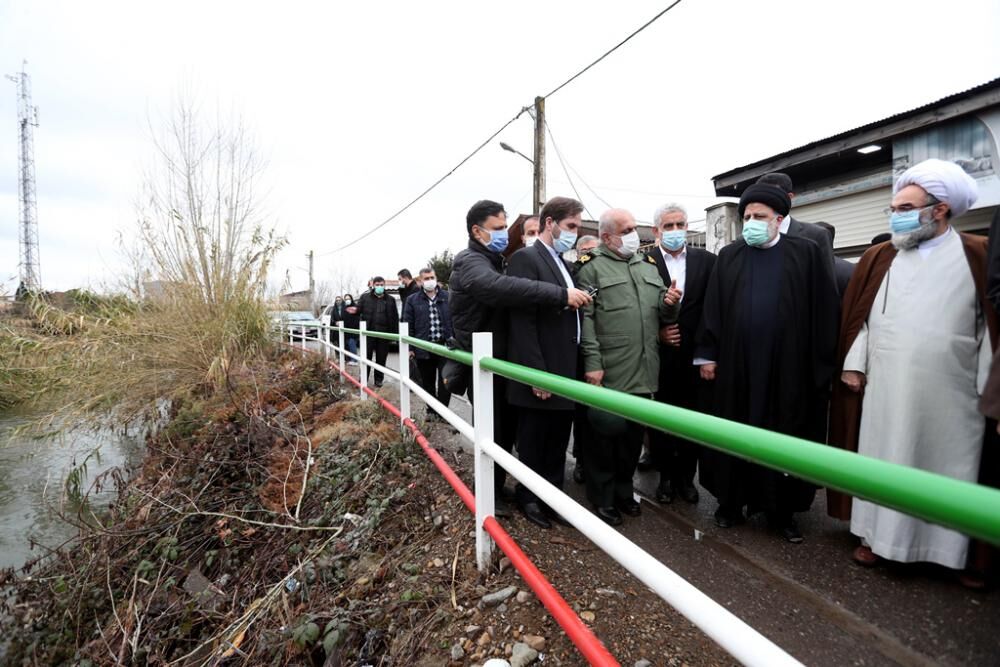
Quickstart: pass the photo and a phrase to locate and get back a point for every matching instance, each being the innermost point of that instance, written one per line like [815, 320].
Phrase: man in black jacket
[480, 293]
[379, 311]
[674, 458]
[429, 318]
[546, 338]
[407, 285]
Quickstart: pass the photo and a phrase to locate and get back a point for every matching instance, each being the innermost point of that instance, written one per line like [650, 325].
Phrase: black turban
[769, 195]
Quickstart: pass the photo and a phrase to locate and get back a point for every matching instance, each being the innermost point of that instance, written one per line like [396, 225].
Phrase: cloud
[360, 106]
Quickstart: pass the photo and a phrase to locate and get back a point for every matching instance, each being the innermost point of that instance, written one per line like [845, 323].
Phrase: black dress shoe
[629, 507]
[556, 517]
[664, 492]
[534, 513]
[578, 472]
[501, 509]
[790, 531]
[687, 492]
[727, 518]
[609, 515]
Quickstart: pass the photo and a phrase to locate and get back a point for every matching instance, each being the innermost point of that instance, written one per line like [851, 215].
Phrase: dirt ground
[808, 598]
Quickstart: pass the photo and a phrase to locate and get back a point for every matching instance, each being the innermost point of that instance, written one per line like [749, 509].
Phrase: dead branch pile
[276, 522]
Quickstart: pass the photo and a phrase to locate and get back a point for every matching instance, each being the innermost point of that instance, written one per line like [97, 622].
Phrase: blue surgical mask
[498, 240]
[565, 242]
[674, 239]
[756, 233]
[379, 291]
[904, 222]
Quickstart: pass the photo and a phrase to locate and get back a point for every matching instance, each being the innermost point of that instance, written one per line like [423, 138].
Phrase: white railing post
[291, 334]
[482, 421]
[363, 360]
[324, 337]
[302, 333]
[404, 375]
[343, 348]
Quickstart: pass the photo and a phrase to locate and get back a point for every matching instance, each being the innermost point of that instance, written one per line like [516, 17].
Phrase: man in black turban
[769, 328]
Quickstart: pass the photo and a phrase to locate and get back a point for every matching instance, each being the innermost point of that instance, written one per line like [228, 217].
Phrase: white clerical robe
[926, 354]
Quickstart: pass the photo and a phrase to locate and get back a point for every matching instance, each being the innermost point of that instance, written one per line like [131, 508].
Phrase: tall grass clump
[191, 310]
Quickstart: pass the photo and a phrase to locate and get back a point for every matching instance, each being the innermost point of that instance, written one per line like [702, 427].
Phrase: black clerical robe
[770, 323]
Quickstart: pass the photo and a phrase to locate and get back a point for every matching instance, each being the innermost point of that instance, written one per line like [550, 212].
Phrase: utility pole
[27, 120]
[538, 191]
[312, 284]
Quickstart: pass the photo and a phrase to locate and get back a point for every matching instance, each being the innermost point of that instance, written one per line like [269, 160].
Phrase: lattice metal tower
[27, 120]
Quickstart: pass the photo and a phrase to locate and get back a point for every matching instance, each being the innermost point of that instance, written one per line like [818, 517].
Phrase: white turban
[943, 180]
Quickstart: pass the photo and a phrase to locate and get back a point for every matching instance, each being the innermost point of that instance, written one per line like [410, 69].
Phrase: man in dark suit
[545, 338]
[792, 227]
[680, 382]
[842, 269]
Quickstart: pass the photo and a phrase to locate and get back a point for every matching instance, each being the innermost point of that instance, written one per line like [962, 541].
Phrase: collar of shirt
[928, 246]
[667, 257]
[786, 222]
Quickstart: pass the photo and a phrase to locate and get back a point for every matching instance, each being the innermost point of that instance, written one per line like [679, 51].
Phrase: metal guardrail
[969, 508]
[731, 633]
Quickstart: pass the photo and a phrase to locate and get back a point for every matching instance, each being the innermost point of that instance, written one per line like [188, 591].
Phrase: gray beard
[911, 240]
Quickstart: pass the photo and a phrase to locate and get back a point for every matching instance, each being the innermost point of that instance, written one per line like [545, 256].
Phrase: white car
[299, 318]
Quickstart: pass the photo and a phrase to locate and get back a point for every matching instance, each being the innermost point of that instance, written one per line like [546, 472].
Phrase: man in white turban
[917, 334]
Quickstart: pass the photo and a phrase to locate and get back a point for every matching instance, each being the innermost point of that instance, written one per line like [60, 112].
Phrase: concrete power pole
[27, 120]
[312, 284]
[538, 190]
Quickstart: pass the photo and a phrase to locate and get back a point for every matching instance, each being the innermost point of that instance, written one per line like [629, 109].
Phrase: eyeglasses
[906, 208]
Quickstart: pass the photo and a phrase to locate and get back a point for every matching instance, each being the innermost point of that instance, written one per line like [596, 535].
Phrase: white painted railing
[727, 630]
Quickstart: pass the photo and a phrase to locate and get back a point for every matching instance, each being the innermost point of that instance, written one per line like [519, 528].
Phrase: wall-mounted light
[871, 148]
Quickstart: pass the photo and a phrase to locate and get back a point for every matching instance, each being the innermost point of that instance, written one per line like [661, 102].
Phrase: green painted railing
[969, 508]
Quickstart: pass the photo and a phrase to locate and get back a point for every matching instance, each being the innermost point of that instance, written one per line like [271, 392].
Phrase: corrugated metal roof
[989, 85]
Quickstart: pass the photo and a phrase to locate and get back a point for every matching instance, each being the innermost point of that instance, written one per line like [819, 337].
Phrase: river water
[33, 471]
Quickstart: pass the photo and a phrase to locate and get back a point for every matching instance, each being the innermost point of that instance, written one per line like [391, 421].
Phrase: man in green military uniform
[620, 344]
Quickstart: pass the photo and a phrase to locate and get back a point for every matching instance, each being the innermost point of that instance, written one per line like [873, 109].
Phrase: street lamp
[511, 149]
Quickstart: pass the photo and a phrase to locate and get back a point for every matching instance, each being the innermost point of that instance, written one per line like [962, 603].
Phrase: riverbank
[34, 506]
[282, 521]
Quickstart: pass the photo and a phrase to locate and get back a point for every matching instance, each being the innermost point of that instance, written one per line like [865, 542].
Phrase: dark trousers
[583, 432]
[378, 348]
[504, 426]
[608, 466]
[676, 459]
[431, 379]
[542, 438]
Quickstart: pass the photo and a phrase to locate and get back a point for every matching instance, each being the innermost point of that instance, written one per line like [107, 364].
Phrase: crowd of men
[891, 357]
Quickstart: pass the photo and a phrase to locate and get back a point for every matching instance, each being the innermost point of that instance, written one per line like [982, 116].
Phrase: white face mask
[630, 243]
[529, 241]
[430, 284]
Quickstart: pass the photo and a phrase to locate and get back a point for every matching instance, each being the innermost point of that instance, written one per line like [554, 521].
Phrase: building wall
[857, 217]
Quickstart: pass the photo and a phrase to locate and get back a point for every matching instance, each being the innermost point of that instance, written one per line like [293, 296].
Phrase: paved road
[809, 598]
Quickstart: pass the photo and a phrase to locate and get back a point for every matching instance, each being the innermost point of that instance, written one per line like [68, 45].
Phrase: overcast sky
[360, 106]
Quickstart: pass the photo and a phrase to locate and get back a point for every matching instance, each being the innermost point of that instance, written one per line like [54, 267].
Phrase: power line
[565, 171]
[613, 49]
[504, 127]
[432, 186]
[587, 185]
